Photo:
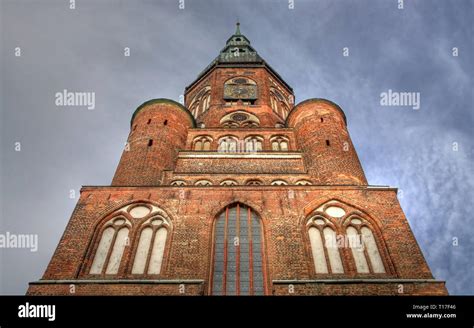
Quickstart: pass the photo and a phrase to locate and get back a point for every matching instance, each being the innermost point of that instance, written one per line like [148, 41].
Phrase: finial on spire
[237, 30]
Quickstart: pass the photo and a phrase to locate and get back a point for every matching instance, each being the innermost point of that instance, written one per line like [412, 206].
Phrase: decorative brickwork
[239, 191]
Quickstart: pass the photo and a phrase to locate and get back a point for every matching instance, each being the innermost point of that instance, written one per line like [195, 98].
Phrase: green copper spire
[237, 29]
[237, 52]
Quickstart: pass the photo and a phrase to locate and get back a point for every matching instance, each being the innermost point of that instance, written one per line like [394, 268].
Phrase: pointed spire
[237, 29]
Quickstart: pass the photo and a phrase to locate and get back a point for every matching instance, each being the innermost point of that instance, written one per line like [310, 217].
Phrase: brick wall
[283, 211]
[158, 132]
[322, 136]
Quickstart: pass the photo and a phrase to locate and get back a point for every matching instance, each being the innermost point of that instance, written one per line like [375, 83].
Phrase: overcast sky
[427, 153]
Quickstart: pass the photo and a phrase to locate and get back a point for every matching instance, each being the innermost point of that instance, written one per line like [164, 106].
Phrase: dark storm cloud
[410, 50]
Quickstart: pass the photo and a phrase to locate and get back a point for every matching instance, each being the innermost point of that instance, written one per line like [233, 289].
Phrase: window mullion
[109, 252]
[150, 250]
[237, 252]
[224, 275]
[366, 253]
[249, 230]
[326, 253]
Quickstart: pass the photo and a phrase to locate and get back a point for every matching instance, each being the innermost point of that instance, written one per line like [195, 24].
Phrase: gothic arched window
[201, 101]
[228, 144]
[203, 183]
[114, 238]
[303, 183]
[229, 183]
[324, 246]
[202, 143]
[253, 144]
[279, 183]
[120, 239]
[279, 143]
[254, 182]
[279, 103]
[238, 266]
[364, 249]
[151, 246]
[178, 183]
[238, 119]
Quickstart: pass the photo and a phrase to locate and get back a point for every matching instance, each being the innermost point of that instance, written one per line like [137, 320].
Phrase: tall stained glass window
[238, 267]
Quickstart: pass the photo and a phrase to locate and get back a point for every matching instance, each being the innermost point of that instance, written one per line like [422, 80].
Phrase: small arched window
[228, 144]
[178, 183]
[303, 183]
[279, 143]
[279, 103]
[279, 183]
[324, 246]
[202, 143]
[253, 144]
[254, 182]
[108, 254]
[201, 102]
[229, 183]
[151, 246]
[238, 119]
[203, 183]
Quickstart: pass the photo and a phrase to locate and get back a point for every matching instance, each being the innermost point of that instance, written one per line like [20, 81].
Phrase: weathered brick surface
[363, 288]
[119, 289]
[218, 109]
[322, 135]
[165, 125]
[283, 211]
[161, 151]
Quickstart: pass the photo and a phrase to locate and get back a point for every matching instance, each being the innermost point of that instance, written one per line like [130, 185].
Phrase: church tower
[238, 191]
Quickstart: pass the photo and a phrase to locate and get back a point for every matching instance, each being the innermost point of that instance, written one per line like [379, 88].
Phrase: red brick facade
[294, 167]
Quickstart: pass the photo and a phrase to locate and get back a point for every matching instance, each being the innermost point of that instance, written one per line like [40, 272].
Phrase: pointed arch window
[238, 253]
[131, 242]
[253, 144]
[279, 103]
[201, 102]
[364, 249]
[324, 246]
[202, 143]
[279, 143]
[228, 144]
[241, 119]
[151, 246]
[113, 240]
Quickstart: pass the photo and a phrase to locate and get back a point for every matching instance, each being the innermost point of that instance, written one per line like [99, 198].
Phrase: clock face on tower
[240, 88]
